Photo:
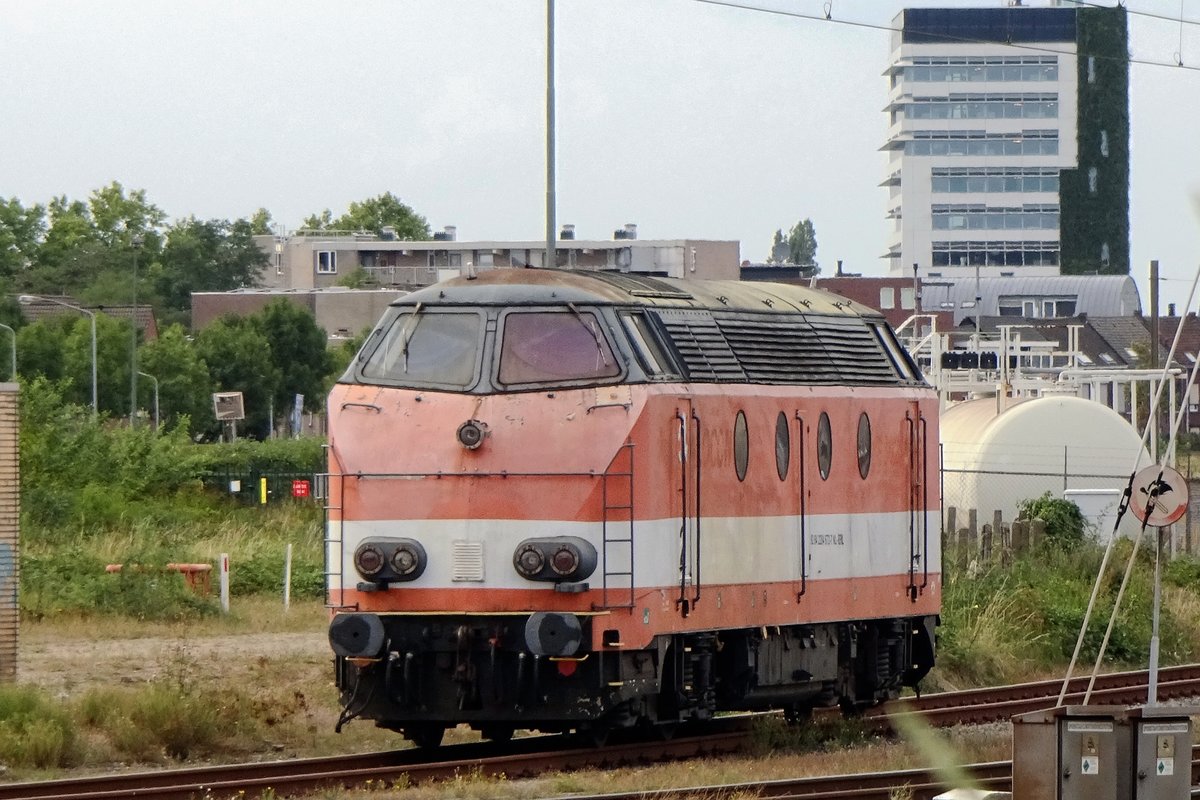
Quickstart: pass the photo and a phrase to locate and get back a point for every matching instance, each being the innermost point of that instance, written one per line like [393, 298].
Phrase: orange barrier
[197, 576]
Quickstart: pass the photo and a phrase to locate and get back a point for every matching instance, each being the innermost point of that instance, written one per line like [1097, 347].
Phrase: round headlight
[369, 560]
[470, 433]
[565, 560]
[529, 560]
[405, 560]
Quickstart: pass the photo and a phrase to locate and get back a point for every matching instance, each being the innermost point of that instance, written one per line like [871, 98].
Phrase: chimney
[1170, 309]
[839, 272]
[567, 232]
[388, 233]
[630, 230]
[447, 234]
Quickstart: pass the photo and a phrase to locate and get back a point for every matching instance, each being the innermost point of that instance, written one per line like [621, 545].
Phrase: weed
[35, 732]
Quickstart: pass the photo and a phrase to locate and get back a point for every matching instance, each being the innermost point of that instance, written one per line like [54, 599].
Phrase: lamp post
[151, 377]
[27, 299]
[136, 241]
[13, 375]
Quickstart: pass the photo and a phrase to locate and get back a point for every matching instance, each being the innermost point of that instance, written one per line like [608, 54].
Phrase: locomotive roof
[529, 286]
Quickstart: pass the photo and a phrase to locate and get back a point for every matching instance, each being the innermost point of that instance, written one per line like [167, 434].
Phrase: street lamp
[136, 241]
[151, 377]
[13, 375]
[27, 299]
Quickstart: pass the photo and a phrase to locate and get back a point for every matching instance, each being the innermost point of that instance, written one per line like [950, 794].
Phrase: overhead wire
[949, 38]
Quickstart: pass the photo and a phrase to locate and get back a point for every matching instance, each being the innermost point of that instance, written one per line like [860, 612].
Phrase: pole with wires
[1121, 509]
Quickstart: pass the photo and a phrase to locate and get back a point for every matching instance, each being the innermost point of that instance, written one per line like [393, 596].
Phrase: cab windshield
[554, 347]
[428, 349]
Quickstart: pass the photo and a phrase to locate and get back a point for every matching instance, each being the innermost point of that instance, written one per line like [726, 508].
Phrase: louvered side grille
[792, 349]
[701, 346]
[728, 346]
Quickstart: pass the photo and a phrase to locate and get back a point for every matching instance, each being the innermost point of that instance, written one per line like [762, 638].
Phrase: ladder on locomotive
[617, 530]
[333, 545]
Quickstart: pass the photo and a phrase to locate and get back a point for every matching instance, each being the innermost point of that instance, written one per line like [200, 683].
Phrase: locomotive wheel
[496, 733]
[665, 731]
[426, 735]
[798, 715]
[595, 735]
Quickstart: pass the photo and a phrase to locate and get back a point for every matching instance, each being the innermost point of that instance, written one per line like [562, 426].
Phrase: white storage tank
[1065, 445]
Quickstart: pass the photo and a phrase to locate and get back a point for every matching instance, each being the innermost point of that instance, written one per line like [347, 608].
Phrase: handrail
[803, 514]
[682, 601]
[699, 451]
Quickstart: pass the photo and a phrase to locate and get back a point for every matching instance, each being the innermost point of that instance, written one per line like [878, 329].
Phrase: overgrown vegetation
[96, 493]
[1007, 621]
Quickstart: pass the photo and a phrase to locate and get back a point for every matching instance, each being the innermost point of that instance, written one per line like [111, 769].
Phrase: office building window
[887, 298]
[973, 69]
[980, 143]
[954, 180]
[984, 106]
[995, 254]
[1093, 179]
[1031, 216]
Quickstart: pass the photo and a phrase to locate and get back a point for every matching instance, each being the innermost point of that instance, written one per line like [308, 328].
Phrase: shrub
[1064, 521]
[35, 732]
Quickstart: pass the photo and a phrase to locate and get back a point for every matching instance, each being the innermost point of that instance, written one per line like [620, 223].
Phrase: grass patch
[36, 732]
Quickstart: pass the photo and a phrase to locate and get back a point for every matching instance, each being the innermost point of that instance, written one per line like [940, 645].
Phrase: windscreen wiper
[593, 330]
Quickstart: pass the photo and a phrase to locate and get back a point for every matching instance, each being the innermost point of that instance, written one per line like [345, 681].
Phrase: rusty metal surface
[558, 287]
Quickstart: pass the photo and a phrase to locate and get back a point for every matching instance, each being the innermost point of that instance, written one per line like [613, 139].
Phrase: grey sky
[689, 119]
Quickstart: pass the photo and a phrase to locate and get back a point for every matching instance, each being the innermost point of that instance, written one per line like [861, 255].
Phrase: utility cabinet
[1103, 753]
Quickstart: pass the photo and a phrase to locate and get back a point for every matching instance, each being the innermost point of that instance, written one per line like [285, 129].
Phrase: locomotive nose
[356, 635]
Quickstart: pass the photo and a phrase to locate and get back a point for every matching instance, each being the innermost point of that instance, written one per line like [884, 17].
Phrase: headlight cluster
[558, 558]
[387, 559]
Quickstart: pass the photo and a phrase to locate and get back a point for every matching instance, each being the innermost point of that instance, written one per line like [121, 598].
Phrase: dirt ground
[69, 666]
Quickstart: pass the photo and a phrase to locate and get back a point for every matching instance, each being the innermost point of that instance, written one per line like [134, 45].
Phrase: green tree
[21, 232]
[40, 347]
[60, 347]
[802, 244]
[318, 222]
[207, 256]
[374, 214]
[238, 356]
[261, 222]
[118, 216]
[779, 248]
[184, 384]
[300, 352]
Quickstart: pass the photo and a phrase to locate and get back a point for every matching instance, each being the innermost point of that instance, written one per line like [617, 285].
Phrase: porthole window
[864, 445]
[741, 445]
[824, 445]
[783, 445]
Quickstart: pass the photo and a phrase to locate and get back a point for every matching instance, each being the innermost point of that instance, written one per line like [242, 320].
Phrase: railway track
[534, 755]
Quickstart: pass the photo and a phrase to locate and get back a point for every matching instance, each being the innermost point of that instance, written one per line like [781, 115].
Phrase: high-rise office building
[1009, 141]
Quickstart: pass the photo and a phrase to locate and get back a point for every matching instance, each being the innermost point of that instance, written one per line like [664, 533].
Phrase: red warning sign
[300, 488]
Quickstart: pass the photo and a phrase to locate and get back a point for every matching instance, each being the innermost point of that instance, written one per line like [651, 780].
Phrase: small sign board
[300, 488]
[228, 406]
[1160, 495]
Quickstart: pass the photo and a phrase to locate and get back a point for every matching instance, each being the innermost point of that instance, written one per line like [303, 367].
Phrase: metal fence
[264, 488]
[973, 498]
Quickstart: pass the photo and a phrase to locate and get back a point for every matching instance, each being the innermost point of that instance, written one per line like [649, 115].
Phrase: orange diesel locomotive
[564, 500]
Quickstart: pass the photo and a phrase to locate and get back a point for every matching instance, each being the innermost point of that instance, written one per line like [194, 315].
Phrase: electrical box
[1103, 753]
